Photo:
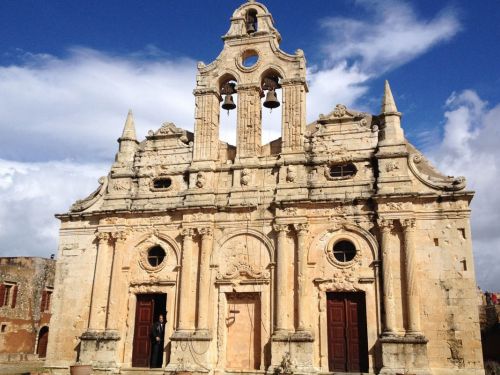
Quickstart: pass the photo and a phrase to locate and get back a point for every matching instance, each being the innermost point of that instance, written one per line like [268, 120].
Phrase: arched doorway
[43, 338]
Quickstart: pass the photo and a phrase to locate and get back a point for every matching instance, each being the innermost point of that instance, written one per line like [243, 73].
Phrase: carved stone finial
[388, 103]
[129, 128]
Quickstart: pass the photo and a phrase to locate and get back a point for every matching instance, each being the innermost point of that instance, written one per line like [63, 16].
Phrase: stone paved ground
[25, 367]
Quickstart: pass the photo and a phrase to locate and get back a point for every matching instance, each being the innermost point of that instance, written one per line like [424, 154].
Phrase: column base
[404, 355]
[189, 351]
[98, 348]
[292, 352]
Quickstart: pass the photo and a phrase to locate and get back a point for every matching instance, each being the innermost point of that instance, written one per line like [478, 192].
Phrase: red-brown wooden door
[142, 333]
[43, 338]
[347, 341]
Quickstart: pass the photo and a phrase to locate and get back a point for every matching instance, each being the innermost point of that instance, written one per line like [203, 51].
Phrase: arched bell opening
[228, 89]
[251, 23]
[271, 103]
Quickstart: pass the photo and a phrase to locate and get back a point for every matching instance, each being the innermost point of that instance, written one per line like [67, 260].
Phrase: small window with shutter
[8, 294]
[46, 300]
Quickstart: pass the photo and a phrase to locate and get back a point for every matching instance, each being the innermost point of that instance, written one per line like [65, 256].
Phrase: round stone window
[344, 251]
[156, 255]
[249, 58]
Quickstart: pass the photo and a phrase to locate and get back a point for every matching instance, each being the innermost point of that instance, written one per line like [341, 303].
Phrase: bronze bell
[228, 104]
[271, 100]
[250, 27]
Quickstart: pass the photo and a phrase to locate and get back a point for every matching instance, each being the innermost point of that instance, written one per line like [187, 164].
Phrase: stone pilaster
[293, 116]
[117, 291]
[206, 133]
[185, 322]
[387, 273]
[100, 287]
[282, 293]
[302, 230]
[249, 137]
[204, 279]
[411, 283]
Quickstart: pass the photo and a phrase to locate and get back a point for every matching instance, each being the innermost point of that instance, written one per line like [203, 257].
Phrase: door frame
[263, 290]
[360, 296]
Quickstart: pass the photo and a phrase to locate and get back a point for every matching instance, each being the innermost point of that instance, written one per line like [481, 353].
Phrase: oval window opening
[249, 58]
[156, 255]
[162, 183]
[344, 251]
[344, 170]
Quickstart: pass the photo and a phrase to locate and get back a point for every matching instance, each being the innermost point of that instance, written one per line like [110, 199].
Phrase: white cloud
[75, 107]
[470, 148]
[359, 49]
[30, 195]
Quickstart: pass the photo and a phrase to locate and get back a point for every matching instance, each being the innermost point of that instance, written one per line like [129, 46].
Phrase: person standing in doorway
[157, 335]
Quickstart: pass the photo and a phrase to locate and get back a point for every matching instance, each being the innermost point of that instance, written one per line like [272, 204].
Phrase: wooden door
[43, 338]
[243, 331]
[347, 339]
[141, 352]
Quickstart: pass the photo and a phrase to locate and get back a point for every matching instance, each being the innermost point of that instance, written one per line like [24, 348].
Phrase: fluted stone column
[117, 293]
[249, 137]
[302, 230]
[204, 278]
[206, 130]
[282, 293]
[100, 288]
[411, 286]
[390, 315]
[293, 116]
[185, 323]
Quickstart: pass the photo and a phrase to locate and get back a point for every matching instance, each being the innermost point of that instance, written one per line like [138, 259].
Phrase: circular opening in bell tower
[249, 58]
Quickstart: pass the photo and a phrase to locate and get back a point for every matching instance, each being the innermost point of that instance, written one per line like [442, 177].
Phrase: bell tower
[252, 66]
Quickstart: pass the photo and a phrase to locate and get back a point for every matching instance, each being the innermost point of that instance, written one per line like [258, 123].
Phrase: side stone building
[26, 286]
[335, 248]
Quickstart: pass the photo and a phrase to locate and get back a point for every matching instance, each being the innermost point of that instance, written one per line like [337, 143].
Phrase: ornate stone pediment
[169, 130]
[342, 114]
[243, 270]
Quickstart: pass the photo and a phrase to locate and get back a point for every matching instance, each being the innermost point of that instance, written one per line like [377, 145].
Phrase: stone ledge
[298, 336]
[393, 339]
[191, 336]
[100, 335]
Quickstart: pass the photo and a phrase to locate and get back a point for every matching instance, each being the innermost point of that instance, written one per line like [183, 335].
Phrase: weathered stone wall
[20, 325]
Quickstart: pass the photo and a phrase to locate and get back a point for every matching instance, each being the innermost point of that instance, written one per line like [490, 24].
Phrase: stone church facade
[335, 248]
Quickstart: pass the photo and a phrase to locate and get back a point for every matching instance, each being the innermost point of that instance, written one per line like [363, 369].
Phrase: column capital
[301, 228]
[408, 224]
[281, 228]
[206, 232]
[187, 233]
[103, 237]
[120, 236]
[386, 225]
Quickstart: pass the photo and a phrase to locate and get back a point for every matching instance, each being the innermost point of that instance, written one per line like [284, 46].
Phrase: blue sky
[70, 70]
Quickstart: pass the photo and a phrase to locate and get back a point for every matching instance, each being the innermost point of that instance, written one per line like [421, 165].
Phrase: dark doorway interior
[347, 337]
[149, 307]
[43, 338]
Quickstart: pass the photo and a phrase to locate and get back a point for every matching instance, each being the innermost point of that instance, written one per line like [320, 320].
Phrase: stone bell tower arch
[253, 63]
